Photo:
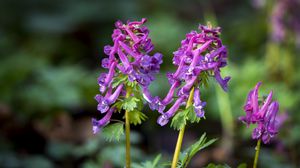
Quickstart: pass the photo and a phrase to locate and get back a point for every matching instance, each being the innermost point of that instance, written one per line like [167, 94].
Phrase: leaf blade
[113, 132]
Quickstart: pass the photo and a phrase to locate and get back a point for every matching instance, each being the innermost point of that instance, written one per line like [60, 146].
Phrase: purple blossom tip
[105, 63]
[107, 49]
[98, 124]
[257, 133]
[199, 109]
[198, 104]
[95, 124]
[156, 104]
[163, 120]
[103, 105]
[223, 82]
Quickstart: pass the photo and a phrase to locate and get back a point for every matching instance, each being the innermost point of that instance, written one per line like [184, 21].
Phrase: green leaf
[211, 165]
[130, 84]
[242, 165]
[201, 144]
[149, 164]
[118, 80]
[156, 160]
[118, 105]
[190, 152]
[191, 115]
[130, 103]
[113, 132]
[179, 120]
[136, 117]
[138, 94]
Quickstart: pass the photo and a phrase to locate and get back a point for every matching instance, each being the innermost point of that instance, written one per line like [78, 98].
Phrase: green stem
[127, 132]
[181, 133]
[257, 149]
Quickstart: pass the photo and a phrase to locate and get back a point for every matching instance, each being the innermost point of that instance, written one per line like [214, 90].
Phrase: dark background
[51, 53]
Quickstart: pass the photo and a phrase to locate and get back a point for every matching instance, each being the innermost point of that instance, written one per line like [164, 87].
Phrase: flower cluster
[129, 55]
[284, 20]
[200, 53]
[264, 115]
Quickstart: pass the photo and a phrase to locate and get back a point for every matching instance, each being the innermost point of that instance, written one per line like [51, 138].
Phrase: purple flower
[164, 118]
[264, 115]
[200, 53]
[271, 123]
[97, 124]
[132, 45]
[170, 94]
[154, 102]
[198, 104]
[223, 82]
[101, 82]
[129, 55]
[105, 102]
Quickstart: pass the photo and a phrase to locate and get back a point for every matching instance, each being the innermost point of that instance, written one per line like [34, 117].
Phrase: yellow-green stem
[181, 133]
[257, 149]
[127, 132]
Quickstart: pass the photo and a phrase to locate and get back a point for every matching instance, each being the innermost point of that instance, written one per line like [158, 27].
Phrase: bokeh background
[51, 52]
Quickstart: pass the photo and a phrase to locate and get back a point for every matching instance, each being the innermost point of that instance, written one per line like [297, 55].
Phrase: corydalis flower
[264, 115]
[200, 53]
[129, 56]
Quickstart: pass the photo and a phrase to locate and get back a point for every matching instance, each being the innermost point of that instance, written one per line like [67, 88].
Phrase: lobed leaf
[179, 120]
[136, 117]
[130, 103]
[113, 132]
[149, 164]
[191, 115]
[191, 151]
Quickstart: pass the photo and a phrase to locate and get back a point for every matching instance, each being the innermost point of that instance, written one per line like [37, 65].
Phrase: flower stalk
[257, 149]
[181, 133]
[127, 131]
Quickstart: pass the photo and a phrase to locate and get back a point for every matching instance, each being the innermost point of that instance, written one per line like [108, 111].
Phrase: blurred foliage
[149, 164]
[186, 156]
[50, 59]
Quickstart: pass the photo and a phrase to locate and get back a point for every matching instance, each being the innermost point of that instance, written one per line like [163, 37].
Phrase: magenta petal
[129, 50]
[97, 124]
[115, 95]
[175, 107]
[254, 98]
[170, 94]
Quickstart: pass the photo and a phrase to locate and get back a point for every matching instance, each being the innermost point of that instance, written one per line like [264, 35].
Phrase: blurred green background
[51, 54]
